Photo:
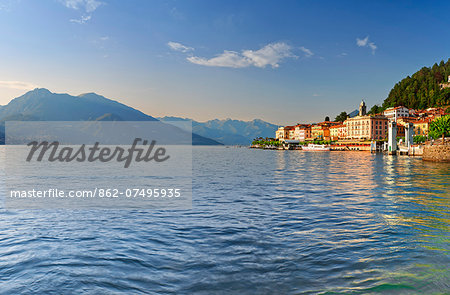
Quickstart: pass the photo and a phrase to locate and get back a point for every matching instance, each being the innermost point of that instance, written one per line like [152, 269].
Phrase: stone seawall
[437, 153]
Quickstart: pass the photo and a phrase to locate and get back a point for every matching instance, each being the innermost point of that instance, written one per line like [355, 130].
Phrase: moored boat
[316, 147]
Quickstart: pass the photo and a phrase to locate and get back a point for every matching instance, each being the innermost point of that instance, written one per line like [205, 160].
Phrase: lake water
[263, 222]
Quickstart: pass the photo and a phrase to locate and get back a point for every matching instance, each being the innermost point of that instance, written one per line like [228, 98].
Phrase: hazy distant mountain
[43, 105]
[353, 114]
[230, 132]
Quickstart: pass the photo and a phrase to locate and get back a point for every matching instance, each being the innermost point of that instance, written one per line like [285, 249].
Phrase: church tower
[362, 108]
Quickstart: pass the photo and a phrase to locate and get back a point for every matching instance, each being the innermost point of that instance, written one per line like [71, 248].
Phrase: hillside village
[406, 114]
[359, 132]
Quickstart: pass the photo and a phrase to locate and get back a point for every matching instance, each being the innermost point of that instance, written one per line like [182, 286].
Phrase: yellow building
[421, 127]
[322, 130]
[334, 132]
[285, 133]
[317, 131]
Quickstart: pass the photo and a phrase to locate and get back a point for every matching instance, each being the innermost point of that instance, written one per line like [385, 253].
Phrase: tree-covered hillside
[421, 90]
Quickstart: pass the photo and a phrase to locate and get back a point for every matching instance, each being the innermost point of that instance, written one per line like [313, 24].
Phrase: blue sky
[280, 61]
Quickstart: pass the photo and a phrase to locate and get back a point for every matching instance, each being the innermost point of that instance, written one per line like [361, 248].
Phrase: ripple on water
[263, 222]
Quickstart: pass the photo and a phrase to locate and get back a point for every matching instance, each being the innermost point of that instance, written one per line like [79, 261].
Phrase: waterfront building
[342, 130]
[321, 131]
[370, 127]
[334, 132]
[394, 113]
[338, 131]
[305, 133]
[421, 125]
[302, 132]
[291, 133]
[280, 134]
[297, 131]
[317, 132]
[285, 133]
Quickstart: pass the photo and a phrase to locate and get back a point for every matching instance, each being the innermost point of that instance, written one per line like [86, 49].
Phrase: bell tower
[362, 108]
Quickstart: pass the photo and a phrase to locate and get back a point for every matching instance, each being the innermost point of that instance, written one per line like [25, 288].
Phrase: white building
[394, 113]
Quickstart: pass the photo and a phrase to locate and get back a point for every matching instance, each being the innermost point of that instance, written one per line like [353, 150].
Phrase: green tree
[375, 110]
[341, 117]
[440, 127]
[419, 139]
[422, 89]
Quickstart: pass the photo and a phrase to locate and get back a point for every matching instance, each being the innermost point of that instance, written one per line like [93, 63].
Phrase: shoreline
[430, 151]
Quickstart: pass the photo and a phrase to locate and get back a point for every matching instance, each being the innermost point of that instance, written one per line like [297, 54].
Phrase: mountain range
[42, 105]
[228, 131]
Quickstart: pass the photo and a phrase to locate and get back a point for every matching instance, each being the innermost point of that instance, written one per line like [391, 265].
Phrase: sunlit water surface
[263, 222]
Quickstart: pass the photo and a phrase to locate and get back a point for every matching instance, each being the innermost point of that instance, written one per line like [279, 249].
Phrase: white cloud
[86, 6]
[229, 59]
[179, 47]
[271, 54]
[362, 42]
[18, 85]
[82, 20]
[372, 46]
[366, 43]
[306, 51]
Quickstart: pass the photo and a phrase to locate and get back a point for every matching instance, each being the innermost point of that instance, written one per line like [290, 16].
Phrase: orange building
[321, 130]
[302, 132]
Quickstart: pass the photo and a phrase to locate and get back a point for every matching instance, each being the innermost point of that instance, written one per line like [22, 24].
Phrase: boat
[316, 147]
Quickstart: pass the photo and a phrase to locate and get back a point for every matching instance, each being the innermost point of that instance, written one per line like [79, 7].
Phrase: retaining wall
[437, 153]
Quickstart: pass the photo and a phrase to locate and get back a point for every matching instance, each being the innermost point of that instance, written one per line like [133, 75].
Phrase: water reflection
[263, 222]
[380, 207]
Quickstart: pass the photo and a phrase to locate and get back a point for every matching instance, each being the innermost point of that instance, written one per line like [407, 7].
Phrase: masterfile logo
[98, 165]
[96, 152]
